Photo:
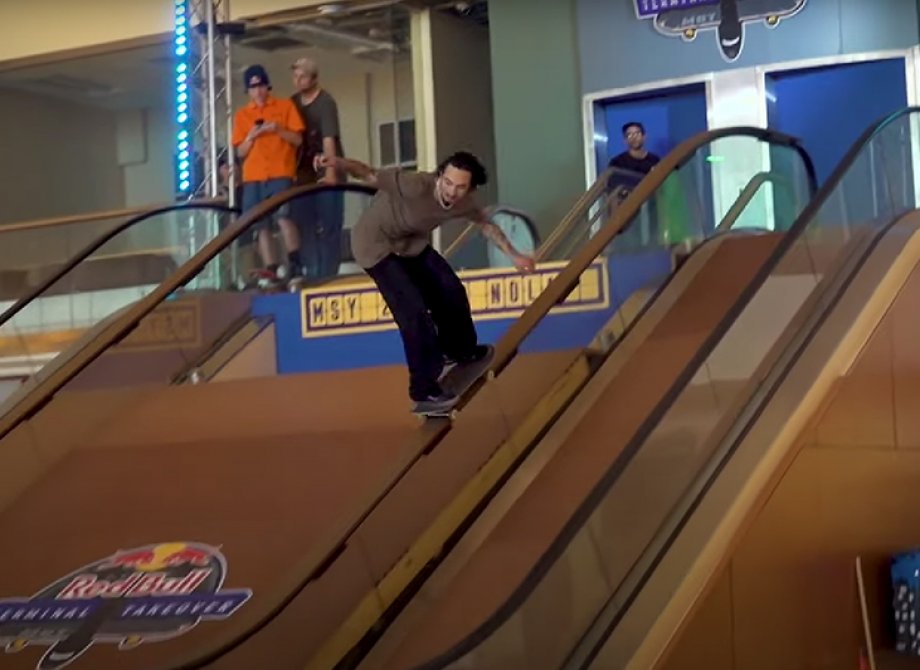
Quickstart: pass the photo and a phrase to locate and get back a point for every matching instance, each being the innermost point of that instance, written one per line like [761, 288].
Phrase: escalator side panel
[173, 334]
[386, 534]
[539, 515]
[800, 498]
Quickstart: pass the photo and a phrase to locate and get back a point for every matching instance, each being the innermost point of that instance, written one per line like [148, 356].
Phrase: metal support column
[210, 123]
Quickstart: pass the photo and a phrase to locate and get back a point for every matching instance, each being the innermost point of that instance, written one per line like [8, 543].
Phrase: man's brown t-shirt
[402, 215]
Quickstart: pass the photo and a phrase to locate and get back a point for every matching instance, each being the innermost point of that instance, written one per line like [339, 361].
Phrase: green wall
[537, 106]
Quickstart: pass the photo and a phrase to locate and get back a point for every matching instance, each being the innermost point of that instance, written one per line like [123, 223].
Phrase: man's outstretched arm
[495, 235]
[354, 168]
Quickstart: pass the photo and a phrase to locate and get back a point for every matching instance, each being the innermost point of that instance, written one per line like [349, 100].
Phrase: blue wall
[296, 354]
[805, 103]
[618, 50]
[669, 118]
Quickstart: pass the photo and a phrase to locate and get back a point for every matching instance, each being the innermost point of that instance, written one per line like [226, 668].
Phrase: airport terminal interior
[692, 440]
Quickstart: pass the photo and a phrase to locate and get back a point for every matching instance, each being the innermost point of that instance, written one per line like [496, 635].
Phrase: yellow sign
[172, 324]
[494, 294]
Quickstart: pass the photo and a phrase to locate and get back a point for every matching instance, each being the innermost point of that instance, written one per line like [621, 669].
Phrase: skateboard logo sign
[146, 594]
[728, 18]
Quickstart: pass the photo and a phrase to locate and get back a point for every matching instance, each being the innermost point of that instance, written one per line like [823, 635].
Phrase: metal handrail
[96, 244]
[118, 328]
[566, 281]
[574, 216]
[747, 194]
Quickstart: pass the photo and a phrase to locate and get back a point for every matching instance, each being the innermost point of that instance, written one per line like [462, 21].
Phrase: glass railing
[590, 285]
[31, 250]
[613, 548]
[93, 286]
[874, 186]
[109, 273]
[59, 299]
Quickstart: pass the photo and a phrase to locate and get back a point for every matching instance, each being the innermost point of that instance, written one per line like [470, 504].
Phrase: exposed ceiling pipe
[319, 11]
[342, 36]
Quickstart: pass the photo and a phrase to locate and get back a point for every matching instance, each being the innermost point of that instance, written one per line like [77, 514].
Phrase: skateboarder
[425, 296]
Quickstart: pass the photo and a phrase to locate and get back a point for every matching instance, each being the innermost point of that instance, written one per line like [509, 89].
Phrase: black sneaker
[441, 402]
[479, 352]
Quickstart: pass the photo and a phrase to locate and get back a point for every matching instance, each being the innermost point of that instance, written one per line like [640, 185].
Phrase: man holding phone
[266, 134]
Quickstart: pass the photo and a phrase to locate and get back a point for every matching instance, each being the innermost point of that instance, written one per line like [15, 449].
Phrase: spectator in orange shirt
[266, 134]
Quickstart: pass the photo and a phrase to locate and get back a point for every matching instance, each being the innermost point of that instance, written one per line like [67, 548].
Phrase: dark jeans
[430, 306]
[319, 218]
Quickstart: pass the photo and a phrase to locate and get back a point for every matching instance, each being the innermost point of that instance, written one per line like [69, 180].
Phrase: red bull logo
[135, 596]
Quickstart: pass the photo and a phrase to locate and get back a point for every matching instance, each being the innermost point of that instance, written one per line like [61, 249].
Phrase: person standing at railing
[320, 215]
[427, 300]
[629, 168]
[266, 135]
[636, 158]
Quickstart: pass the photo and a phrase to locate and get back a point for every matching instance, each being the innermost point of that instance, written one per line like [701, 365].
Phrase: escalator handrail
[620, 218]
[119, 328]
[90, 217]
[100, 241]
[567, 279]
[747, 195]
[557, 289]
[777, 373]
[569, 221]
[598, 493]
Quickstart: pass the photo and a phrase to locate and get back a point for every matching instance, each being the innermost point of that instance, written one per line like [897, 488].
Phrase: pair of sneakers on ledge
[441, 400]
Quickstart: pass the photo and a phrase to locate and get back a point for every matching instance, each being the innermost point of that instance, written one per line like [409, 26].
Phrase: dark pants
[430, 306]
[319, 217]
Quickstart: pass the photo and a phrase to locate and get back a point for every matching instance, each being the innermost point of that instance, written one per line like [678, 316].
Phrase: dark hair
[463, 160]
[627, 126]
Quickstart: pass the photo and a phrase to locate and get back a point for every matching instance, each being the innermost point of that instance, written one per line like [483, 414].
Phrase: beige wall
[150, 181]
[462, 72]
[47, 26]
[65, 159]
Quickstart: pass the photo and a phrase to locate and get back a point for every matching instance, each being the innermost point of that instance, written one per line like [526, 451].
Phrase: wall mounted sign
[500, 293]
[145, 594]
[687, 18]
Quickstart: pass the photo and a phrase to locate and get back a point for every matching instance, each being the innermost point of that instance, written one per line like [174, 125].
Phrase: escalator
[722, 531]
[309, 506]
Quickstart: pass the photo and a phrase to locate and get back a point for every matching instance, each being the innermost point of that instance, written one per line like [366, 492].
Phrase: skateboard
[458, 381]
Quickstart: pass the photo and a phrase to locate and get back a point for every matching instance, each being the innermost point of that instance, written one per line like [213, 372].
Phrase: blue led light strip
[185, 168]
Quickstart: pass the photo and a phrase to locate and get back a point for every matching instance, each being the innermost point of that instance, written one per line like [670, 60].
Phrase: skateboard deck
[459, 380]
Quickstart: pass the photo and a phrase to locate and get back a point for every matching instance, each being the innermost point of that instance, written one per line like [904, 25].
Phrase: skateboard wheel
[772, 21]
[690, 34]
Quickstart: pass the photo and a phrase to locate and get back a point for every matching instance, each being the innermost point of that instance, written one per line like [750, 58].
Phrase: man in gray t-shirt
[319, 215]
[425, 296]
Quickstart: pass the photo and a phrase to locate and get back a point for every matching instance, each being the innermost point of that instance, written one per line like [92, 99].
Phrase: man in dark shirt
[636, 162]
[636, 158]
[320, 216]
